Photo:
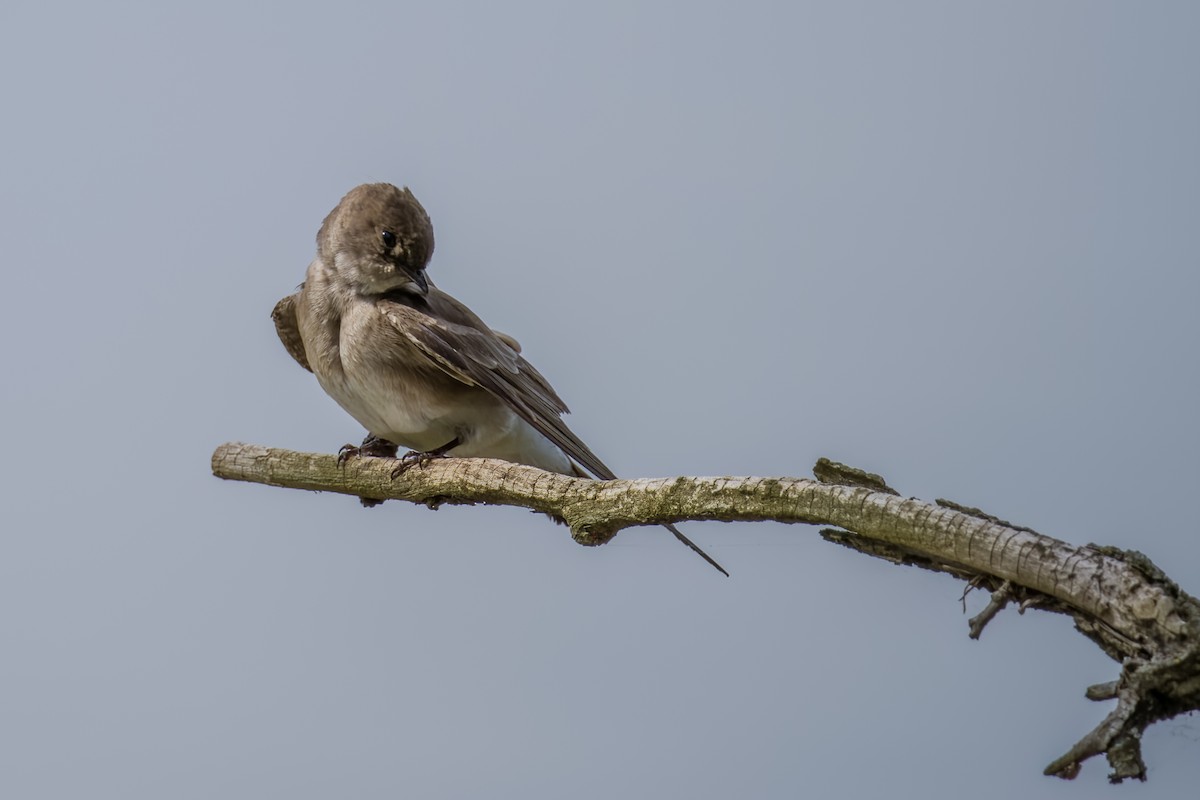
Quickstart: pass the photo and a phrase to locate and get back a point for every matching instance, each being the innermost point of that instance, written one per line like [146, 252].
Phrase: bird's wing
[286, 325]
[508, 340]
[461, 345]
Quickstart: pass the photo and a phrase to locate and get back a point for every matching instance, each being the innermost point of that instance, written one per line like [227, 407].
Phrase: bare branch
[1118, 599]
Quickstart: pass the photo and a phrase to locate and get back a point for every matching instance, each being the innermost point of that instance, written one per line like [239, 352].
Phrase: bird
[413, 365]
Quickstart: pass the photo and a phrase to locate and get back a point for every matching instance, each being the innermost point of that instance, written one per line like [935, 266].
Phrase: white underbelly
[415, 418]
[515, 441]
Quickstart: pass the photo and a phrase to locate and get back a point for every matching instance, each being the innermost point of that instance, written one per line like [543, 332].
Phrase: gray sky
[953, 244]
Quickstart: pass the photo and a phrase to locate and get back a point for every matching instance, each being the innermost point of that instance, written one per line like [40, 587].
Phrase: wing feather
[472, 353]
[288, 329]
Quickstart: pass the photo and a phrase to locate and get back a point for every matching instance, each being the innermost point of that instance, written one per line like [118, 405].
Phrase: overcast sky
[951, 243]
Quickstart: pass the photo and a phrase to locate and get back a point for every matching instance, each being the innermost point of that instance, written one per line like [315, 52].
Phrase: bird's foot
[372, 446]
[347, 452]
[414, 458]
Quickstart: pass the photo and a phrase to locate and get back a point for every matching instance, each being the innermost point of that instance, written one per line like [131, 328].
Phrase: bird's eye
[389, 239]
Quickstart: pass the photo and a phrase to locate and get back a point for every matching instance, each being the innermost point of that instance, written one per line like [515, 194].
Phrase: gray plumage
[413, 365]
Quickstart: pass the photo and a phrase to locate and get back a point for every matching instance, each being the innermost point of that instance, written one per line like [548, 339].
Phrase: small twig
[971, 586]
[999, 599]
[1103, 691]
[1115, 736]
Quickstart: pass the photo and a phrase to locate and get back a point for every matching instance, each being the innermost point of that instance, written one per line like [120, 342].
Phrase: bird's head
[379, 239]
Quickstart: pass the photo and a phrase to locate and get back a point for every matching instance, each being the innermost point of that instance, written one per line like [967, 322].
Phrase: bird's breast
[398, 393]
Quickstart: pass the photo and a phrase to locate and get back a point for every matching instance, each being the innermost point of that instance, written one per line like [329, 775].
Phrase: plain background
[952, 243]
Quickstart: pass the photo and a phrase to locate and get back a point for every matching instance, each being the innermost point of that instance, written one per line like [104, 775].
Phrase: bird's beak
[420, 284]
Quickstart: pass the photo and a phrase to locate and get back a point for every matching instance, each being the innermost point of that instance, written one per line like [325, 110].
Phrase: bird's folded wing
[286, 325]
[471, 352]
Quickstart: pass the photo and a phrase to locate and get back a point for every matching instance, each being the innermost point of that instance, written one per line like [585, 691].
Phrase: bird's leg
[371, 446]
[413, 459]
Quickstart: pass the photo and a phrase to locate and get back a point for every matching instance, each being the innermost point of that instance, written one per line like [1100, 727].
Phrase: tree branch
[1118, 599]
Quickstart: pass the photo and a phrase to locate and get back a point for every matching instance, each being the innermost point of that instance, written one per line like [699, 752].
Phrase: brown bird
[413, 365]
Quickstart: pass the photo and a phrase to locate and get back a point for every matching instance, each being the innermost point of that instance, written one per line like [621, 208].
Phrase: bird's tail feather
[679, 535]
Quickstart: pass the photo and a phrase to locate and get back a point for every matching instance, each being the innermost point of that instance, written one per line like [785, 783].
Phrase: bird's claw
[414, 459]
[372, 446]
[345, 453]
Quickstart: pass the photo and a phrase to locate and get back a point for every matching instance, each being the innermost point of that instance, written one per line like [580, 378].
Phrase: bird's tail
[679, 535]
